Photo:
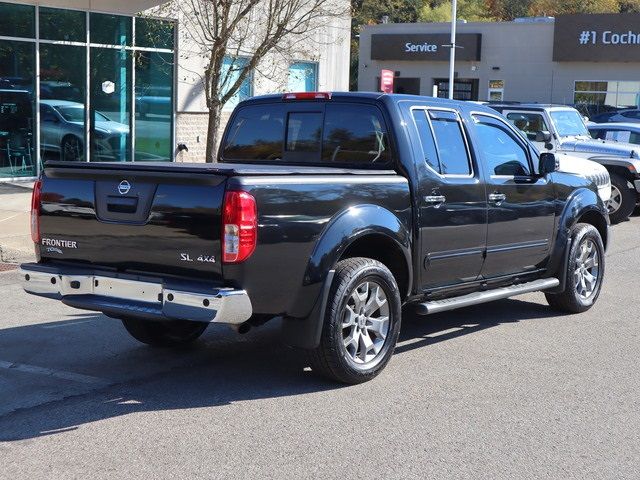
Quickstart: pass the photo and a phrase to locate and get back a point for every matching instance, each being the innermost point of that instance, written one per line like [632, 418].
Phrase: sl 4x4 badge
[184, 257]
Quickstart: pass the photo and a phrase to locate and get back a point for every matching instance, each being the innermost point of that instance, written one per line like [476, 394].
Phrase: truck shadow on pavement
[118, 376]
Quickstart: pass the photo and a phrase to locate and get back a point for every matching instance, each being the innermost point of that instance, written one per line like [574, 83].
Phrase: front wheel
[171, 333]
[361, 324]
[585, 271]
[622, 201]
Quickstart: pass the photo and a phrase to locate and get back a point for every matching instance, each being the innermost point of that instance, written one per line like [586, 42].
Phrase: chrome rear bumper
[127, 297]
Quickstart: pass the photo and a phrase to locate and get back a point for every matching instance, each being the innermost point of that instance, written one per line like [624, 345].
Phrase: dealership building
[591, 61]
[93, 80]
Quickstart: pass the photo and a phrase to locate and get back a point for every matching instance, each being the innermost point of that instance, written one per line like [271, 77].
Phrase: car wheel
[71, 149]
[622, 201]
[361, 324]
[585, 271]
[171, 333]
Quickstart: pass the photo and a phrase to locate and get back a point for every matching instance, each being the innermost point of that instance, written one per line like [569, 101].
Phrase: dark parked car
[630, 115]
[62, 131]
[616, 132]
[331, 211]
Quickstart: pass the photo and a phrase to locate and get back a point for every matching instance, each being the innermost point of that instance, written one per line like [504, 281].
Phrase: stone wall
[191, 129]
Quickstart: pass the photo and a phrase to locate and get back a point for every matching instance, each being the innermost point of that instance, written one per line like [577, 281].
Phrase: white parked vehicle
[562, 130]
[587, 169]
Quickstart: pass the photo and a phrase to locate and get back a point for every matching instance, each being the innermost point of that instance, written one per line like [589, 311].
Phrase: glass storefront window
[17, 20]
[110, 105]
[496, 90]
[17, 146]
[152, 33]
[75, 73]
[154, 111]
[59, 24]
[592, 98]
[62, 96]
[303, 77]
[110, 29]
[594, 86]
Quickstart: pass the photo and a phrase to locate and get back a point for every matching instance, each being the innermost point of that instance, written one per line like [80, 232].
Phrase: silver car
[62, 132]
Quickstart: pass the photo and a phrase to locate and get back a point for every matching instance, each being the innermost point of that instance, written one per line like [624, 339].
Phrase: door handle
[497, 197]
[435, 199]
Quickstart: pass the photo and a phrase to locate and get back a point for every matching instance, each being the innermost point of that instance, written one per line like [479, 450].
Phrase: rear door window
[426, 139]
[450, 142]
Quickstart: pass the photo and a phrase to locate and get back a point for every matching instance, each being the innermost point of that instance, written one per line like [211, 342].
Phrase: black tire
[171, 333]
[625, 200]
[332, 358]
[571, 300]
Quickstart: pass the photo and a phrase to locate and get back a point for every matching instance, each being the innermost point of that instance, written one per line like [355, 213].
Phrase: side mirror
[543, 136]
[548, 163]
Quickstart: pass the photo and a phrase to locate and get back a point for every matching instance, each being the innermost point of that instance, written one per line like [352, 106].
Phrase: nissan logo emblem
[124, 187]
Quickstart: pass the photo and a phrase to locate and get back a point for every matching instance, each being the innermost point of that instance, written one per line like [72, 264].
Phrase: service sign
[420, 46]
[597, 38]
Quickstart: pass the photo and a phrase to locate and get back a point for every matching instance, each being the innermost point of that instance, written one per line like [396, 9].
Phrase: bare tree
[233, 36]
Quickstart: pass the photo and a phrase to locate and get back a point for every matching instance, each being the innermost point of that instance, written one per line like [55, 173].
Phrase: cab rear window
[320, 134]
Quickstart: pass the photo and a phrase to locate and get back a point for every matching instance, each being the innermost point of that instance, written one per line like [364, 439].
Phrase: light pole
[452, 55]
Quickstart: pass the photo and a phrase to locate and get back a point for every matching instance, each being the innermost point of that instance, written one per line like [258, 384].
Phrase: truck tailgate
[161, 219]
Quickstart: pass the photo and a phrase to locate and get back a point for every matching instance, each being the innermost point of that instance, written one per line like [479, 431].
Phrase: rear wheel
[623, 199]
[361, 324]
[171, 333]
[585, 271]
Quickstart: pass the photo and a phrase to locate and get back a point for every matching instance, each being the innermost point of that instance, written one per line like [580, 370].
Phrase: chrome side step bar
[437, 306]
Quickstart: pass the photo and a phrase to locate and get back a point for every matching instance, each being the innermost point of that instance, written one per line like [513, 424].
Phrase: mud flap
[306, 332]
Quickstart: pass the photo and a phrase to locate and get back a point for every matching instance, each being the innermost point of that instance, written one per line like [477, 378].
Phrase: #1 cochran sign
[597, 38]
[386, 81]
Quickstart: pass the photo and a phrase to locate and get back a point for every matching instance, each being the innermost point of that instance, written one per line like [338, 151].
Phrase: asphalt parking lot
[509, 390]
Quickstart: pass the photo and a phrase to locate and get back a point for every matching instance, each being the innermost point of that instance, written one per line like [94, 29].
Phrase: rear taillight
[239, 226]
[35, 211]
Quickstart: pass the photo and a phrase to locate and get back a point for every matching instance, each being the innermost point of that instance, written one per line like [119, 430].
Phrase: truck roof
[377, 97]
[529, 106]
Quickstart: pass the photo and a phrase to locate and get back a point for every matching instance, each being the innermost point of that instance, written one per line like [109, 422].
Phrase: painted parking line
[61, 374]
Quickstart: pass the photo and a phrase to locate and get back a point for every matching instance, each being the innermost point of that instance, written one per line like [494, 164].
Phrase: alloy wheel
[365, 322]
[614, 203]
[587, 268]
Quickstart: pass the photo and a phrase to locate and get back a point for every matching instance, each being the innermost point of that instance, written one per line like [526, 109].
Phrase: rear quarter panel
[294, 214]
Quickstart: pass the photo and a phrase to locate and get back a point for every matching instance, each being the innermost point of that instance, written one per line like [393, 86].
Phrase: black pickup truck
[330, 211]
